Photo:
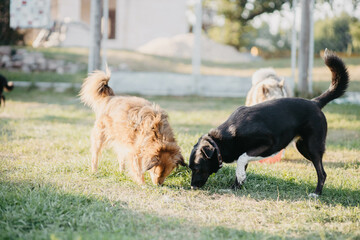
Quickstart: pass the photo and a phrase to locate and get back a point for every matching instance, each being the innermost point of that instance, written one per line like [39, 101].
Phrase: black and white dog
[252, 133]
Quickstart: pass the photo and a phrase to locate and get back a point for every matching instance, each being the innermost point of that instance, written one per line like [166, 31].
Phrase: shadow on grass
[36, 211]
[263, 187]
[342, 165]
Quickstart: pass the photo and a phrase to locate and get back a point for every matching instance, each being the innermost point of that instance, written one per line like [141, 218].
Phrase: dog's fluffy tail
[95, 88]
[339, 82]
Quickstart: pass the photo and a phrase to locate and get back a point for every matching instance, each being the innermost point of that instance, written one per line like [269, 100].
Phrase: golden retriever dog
[138, 131]
[266, 85]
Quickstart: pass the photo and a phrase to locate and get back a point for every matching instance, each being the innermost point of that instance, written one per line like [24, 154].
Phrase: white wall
[69, 9]
[137, 22]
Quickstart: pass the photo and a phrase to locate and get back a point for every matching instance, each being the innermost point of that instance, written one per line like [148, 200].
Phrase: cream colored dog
[266, 85]
[138, 131]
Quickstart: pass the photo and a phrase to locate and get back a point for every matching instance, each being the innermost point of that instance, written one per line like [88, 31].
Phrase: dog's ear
[150, 164]
[181, 161]
[282, 82]
[265, 90]
[208, 150]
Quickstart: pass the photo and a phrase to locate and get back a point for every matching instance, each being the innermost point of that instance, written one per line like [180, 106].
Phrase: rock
[60, 70]
[34, 61]
[5, 61]
[72, 68]
[16, 64]
[26, 68]
[52, 65]
[29, 59]
[5, 50]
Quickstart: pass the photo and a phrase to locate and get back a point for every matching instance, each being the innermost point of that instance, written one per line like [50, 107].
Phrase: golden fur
[138, 131]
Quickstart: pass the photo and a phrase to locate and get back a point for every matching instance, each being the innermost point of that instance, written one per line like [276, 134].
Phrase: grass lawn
[48, 192]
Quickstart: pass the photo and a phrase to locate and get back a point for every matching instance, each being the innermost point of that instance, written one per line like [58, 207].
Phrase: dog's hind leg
[97, 142]
[313, 149]
[302, 148]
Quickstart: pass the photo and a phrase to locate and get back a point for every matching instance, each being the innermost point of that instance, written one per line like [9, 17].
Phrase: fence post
[196, 55]
[293, 47]
[105, 33]
[304, 48]
[94, 61]
[311, 48]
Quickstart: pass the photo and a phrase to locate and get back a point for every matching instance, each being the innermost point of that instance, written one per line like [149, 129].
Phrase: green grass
[48, 192]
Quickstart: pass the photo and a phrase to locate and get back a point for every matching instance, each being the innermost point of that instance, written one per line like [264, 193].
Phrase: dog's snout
[194, 188]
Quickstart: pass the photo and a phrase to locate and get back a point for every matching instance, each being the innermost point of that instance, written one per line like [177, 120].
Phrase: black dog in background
[4, 85]
[252, 133]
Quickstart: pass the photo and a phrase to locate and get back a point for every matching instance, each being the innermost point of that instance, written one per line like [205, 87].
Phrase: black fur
[4, 85]
[268, 127]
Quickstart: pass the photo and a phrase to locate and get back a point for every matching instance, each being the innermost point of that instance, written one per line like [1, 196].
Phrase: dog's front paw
[236, 185]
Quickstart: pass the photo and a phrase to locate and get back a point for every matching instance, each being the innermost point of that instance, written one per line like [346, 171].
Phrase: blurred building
[131, 23]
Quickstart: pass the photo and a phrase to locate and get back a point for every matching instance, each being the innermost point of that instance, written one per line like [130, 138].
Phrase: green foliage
[238, 14]
[333, 33]
[355, 34]
[267, 42]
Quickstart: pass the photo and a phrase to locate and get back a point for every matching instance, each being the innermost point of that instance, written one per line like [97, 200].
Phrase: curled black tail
[339, 82]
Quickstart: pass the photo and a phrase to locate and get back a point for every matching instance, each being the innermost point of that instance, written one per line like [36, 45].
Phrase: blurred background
[178, 47]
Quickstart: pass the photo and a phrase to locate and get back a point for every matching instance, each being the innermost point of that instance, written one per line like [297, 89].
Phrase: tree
[278, 44]
[238, 14]
[8, 36]
[355, 34]
[333, 34]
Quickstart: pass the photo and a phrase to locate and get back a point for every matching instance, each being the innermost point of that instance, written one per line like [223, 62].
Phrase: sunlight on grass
[47, 189]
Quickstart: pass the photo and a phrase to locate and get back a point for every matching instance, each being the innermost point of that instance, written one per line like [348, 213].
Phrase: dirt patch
[181, 46]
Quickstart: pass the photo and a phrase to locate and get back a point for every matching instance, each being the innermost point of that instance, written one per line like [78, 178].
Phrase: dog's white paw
[313, 195]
